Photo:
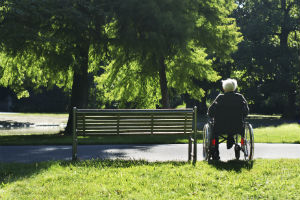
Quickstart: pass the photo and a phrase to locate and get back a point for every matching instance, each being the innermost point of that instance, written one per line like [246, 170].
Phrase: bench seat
[135, 121]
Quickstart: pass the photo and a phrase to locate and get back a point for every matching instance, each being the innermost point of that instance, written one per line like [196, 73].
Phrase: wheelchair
[242, 142]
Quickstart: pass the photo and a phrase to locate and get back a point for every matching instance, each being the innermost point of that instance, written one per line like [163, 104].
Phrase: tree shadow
[266, 122]
[12, 172]
[232, 165]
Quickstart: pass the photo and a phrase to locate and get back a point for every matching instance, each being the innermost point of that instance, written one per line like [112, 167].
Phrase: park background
[148, 54]
[56, 54]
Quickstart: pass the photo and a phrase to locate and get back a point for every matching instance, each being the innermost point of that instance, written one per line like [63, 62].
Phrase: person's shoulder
[220, 96]
[238, 94]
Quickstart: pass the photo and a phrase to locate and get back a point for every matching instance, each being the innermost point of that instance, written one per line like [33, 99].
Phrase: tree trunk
[80, 87]
[298, 85]
[163, 84]
[291, 108]
[202, 105]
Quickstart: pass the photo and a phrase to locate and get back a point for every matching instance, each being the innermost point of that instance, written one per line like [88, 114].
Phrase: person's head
[229, 85]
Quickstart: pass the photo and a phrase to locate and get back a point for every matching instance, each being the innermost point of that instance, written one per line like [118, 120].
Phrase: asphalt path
[153, 152]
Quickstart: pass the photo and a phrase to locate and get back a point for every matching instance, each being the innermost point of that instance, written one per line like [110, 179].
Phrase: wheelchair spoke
[248, 139]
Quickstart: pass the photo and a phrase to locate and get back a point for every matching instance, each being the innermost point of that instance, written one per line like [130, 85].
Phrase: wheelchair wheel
[248, 146]
[206, 142]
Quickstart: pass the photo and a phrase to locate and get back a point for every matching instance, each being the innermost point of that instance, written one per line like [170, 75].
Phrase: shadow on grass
[232, 165]
[11, 172]
[45, 139]
[17, 171]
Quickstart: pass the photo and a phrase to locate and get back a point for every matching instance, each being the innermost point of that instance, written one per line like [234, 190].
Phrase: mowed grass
[95, 179]
[286, 133]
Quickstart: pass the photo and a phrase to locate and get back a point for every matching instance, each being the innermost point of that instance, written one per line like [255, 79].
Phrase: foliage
[267, 59]
[46, 43]
[59, 38]
[130, 87]
[27, 71]
[186, 36]
[41, 42]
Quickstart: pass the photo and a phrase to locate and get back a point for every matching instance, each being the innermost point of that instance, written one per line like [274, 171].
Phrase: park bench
[136, 121]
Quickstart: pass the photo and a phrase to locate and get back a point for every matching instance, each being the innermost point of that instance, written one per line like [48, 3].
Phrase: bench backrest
[133, 121]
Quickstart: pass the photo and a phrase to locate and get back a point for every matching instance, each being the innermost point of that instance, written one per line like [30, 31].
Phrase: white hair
[229, 85]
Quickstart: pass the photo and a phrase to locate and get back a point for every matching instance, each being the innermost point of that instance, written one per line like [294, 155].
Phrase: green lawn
[94, 179]
[286, 133]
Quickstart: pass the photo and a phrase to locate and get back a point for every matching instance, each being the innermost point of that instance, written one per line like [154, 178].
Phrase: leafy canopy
[187, 35]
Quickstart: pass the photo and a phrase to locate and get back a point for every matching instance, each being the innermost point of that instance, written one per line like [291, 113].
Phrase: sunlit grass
[265, 179]
[260, 116]
[286, 133]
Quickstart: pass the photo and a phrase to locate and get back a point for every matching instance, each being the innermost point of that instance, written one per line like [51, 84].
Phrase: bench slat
[108, 132]
[132, 127]
[132, 121]
[133, 117]
[135, 123]
[129, 111]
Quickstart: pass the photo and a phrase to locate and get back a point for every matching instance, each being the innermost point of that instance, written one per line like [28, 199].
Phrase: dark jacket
[228, 111]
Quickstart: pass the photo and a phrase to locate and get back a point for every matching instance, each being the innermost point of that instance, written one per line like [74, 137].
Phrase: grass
[286, 133]
[94, 179]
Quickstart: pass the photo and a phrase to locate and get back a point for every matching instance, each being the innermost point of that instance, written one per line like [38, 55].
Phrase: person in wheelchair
[228, 112]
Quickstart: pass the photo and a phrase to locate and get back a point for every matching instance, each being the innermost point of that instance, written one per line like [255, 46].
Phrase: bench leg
[74, 141]
[190, 149]
[74, 150]
[195, 151]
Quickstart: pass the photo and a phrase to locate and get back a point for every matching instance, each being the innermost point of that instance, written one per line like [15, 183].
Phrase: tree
[169, 44]
[52, 42]
[267, 58]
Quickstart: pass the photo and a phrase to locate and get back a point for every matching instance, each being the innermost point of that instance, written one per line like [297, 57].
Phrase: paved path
[155, 152]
